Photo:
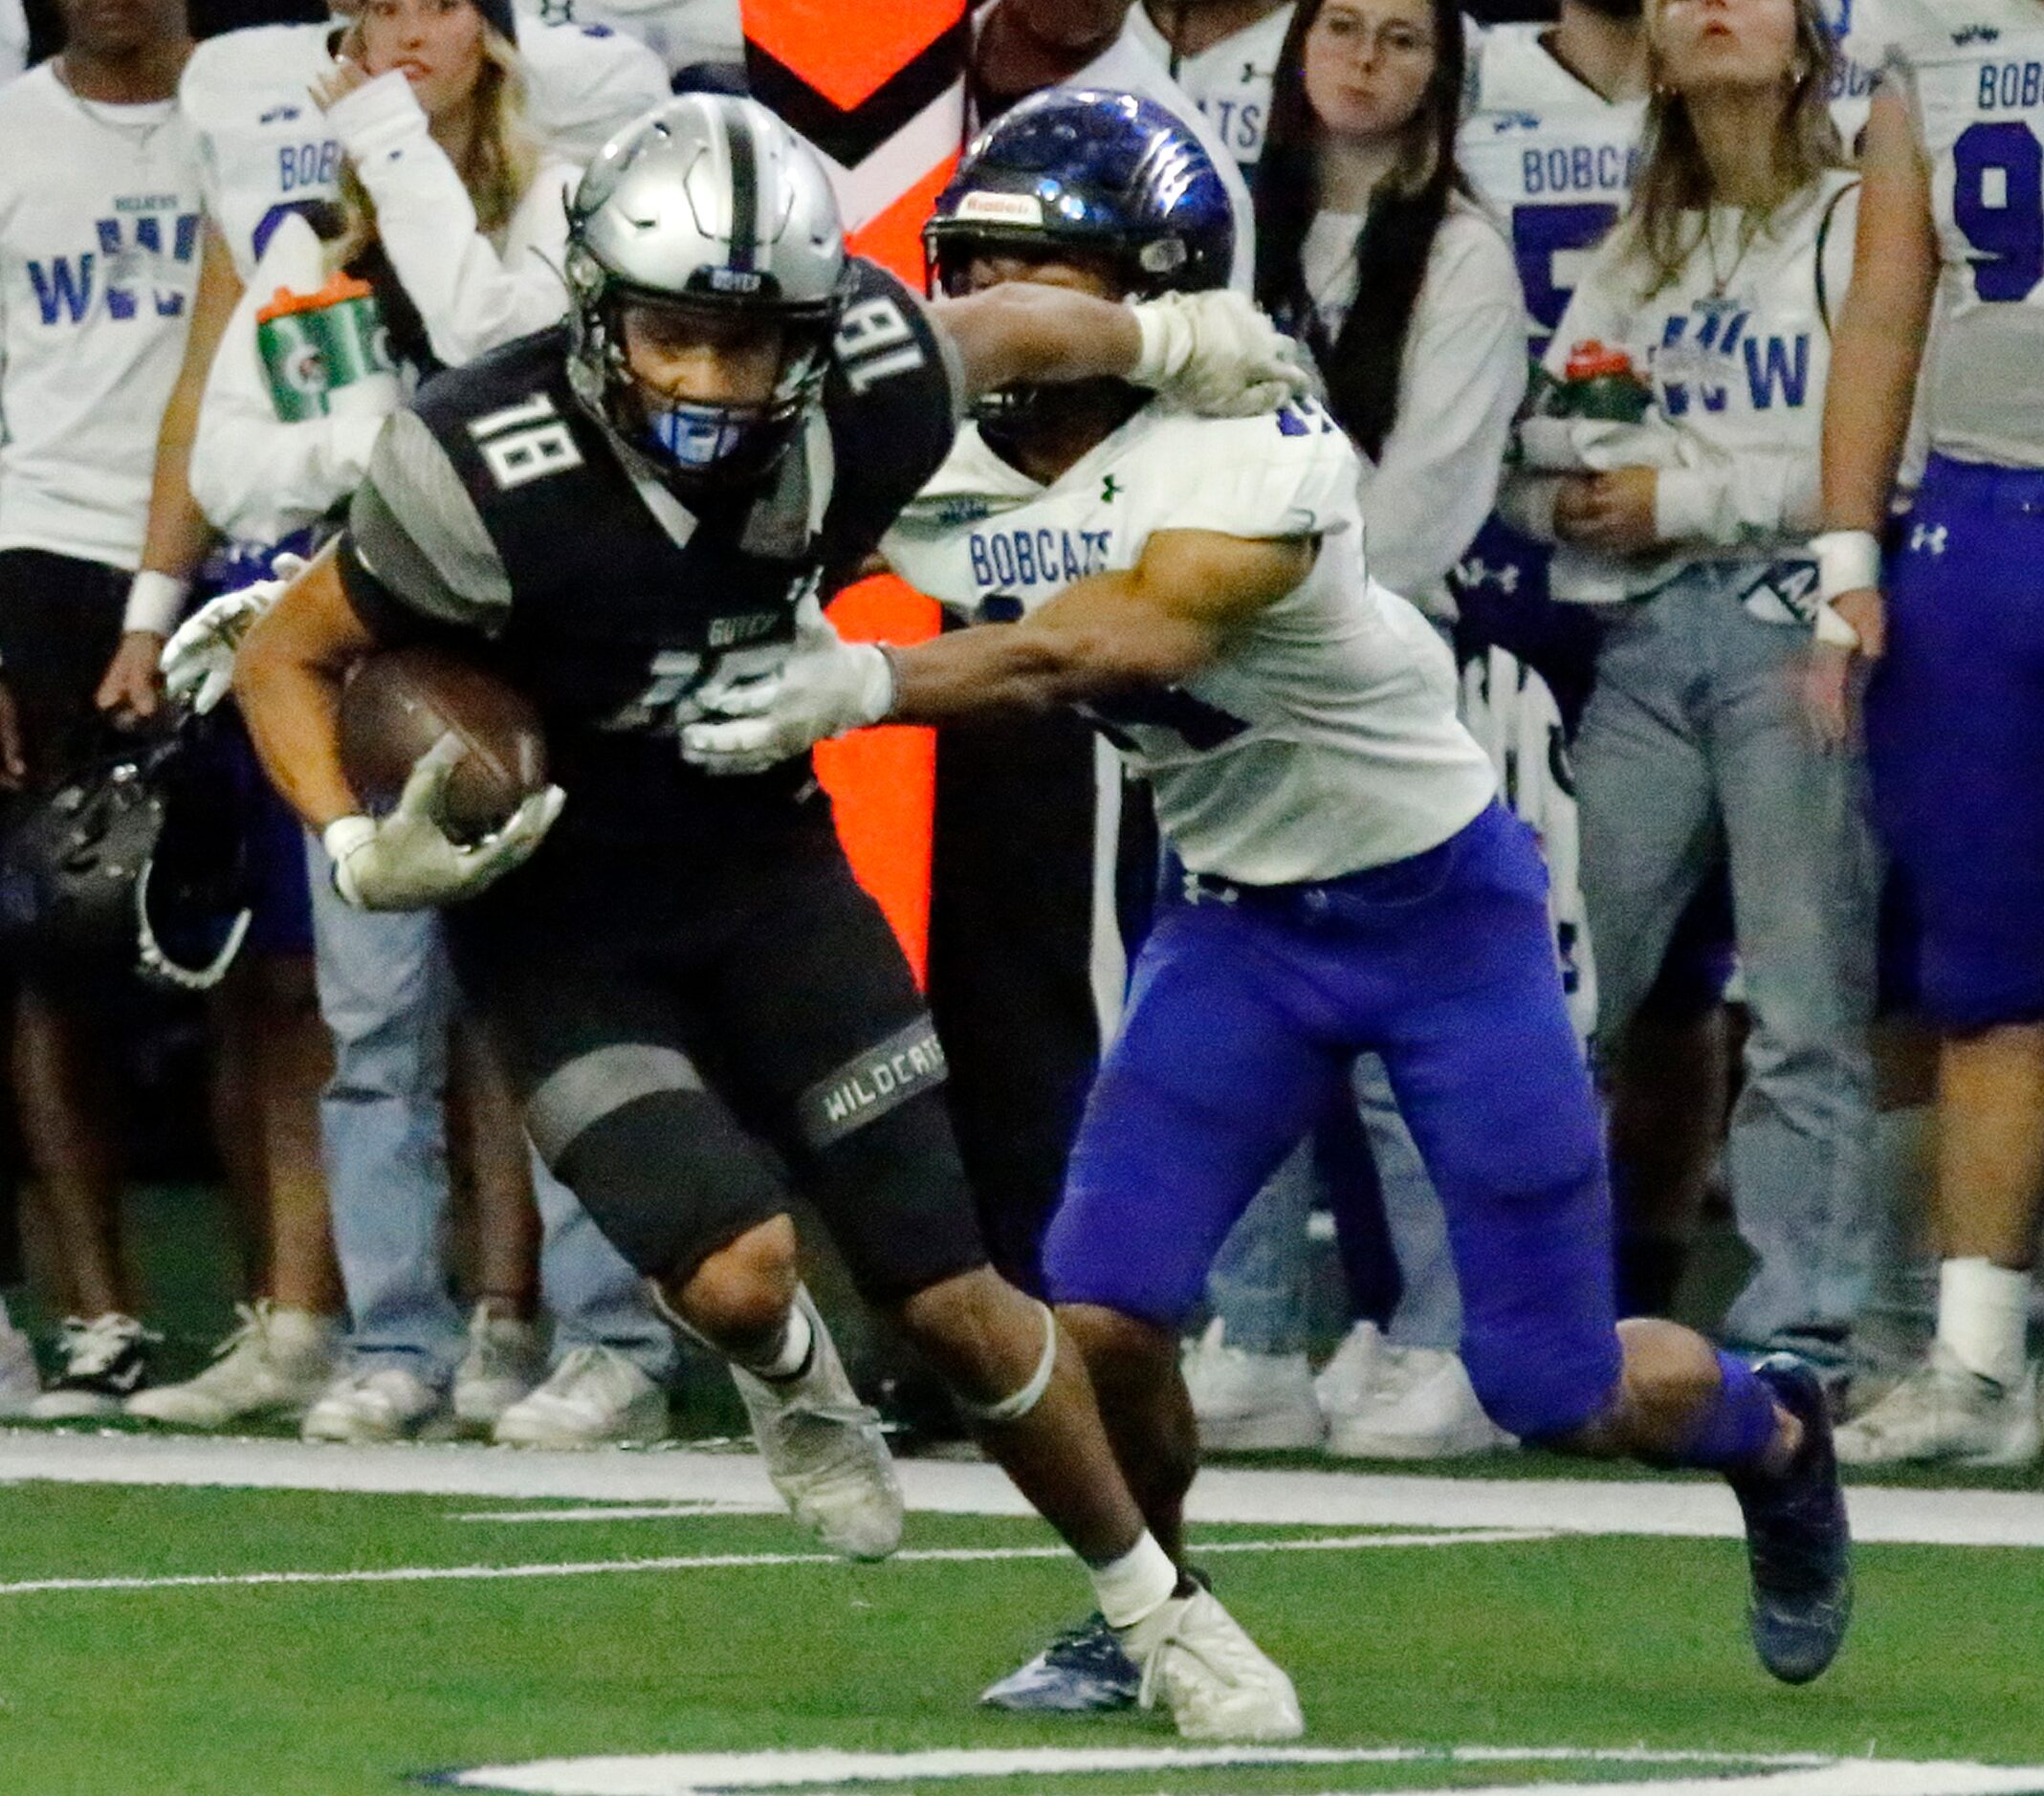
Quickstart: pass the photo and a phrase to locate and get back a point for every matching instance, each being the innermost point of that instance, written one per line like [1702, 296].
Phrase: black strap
[1824, 223]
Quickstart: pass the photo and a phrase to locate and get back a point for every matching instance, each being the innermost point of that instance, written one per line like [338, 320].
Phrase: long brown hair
[1361, 365]
[497, 168]
[1672, 193]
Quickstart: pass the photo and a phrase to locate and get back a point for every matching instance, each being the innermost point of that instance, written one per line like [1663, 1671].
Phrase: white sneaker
[1215, 1681]
[1942, 1411]
[104, 1360]
[824, 1451]
[1344, 1383]
[594, 1397]
[1246, 1400]
[503, 1364]
[20, 1383]
[1423, 1408]
[275, 1364]
[385, 1403]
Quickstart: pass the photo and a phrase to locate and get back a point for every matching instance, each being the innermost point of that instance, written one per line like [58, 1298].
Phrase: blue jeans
[388, 995]
[1693, 756]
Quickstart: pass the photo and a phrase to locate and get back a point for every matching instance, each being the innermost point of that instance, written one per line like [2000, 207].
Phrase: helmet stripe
[744, 192]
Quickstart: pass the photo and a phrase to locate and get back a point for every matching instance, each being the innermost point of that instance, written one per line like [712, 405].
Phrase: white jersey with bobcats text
[100, 215]
[1972, 72]
[683, 33]
[1325, 741]
[265, 150]
[1230, 80]
[1551, 158]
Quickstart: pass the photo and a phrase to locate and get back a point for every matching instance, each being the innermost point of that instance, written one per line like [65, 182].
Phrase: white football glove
[407, 862]
[1216, 353]
[822, 687]
[198, 661]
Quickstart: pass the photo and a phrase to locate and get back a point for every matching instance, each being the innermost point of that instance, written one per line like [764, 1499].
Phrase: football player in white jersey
[1346, 882]
[691, 37]
[1952, 222]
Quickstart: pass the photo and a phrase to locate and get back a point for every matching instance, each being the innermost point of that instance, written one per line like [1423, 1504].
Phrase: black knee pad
[669, 1178]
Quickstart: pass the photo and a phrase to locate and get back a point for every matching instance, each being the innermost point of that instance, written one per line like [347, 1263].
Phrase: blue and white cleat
[1798, 1538]
[1083, 1671]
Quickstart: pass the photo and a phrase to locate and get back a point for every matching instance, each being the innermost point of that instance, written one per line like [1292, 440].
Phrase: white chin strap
[1013, 1408]
[160, 964]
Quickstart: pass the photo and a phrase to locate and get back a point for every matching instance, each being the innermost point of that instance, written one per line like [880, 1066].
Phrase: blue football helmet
[1110, 174]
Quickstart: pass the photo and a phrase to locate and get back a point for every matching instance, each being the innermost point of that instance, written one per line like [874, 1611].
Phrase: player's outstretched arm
[1156, 624]
[1213, 352]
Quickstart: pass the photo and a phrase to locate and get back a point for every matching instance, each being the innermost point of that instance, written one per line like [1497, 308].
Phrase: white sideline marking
[714, 1774]
[725, 1562]
[1344, 1500]
[620, 1512]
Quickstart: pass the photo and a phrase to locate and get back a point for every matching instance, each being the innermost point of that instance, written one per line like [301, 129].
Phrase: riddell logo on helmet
[1002, 208]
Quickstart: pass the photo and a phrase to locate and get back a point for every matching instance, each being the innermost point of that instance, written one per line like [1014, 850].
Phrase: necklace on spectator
[1720, 281]
[136, 136]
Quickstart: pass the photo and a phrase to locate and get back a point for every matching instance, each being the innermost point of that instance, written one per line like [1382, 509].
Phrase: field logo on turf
[1400, 1771]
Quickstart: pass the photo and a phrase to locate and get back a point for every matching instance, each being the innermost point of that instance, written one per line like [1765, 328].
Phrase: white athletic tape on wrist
[1848, 560]
[1834, 629]
[156, 602]
[1012, 1409]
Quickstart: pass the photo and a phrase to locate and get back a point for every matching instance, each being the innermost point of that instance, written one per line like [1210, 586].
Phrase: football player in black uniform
[626, 514]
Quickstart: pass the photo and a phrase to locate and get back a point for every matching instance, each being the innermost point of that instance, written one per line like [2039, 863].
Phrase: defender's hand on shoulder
[1216, 353]
[406, 861]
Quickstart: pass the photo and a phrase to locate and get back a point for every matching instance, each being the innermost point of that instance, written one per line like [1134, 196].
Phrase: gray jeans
[1693, 753]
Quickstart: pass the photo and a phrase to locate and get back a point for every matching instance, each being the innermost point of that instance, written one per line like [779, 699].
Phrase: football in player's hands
[397, 704]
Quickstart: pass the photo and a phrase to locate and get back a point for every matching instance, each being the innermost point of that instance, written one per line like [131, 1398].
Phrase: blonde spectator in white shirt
[1689, 526]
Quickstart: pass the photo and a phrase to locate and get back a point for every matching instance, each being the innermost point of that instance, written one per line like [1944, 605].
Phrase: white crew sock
[1983, 1316]
[795, 1346]
[1137, 1584]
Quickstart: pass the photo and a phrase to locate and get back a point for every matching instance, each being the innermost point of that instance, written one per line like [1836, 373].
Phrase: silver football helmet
[708, 206]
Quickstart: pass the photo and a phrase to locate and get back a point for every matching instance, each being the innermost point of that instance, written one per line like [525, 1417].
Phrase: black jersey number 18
[875, 340]
[525, 442]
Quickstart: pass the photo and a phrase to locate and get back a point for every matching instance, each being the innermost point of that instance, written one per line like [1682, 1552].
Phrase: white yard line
[1722, 1774]
[725, 1562]
[1330, 1498]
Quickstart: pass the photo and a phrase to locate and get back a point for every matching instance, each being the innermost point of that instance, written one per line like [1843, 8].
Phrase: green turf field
[340, 1683]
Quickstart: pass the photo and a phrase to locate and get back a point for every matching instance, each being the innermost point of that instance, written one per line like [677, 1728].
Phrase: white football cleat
[1422, 1408]
[20, 1383]
[385, 1403]
[825, 1450]
[1216, 1682]
[1244, 1400]
[595, 1397]
[276, 1363]
[504, 1362]
[1346, 1382]
[1944, 1412]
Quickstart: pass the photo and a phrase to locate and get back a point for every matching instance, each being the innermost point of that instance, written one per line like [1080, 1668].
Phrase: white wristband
[1166, 343]
[1834, 629]
[340, 839]
[1848, 560]
[156, 602]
